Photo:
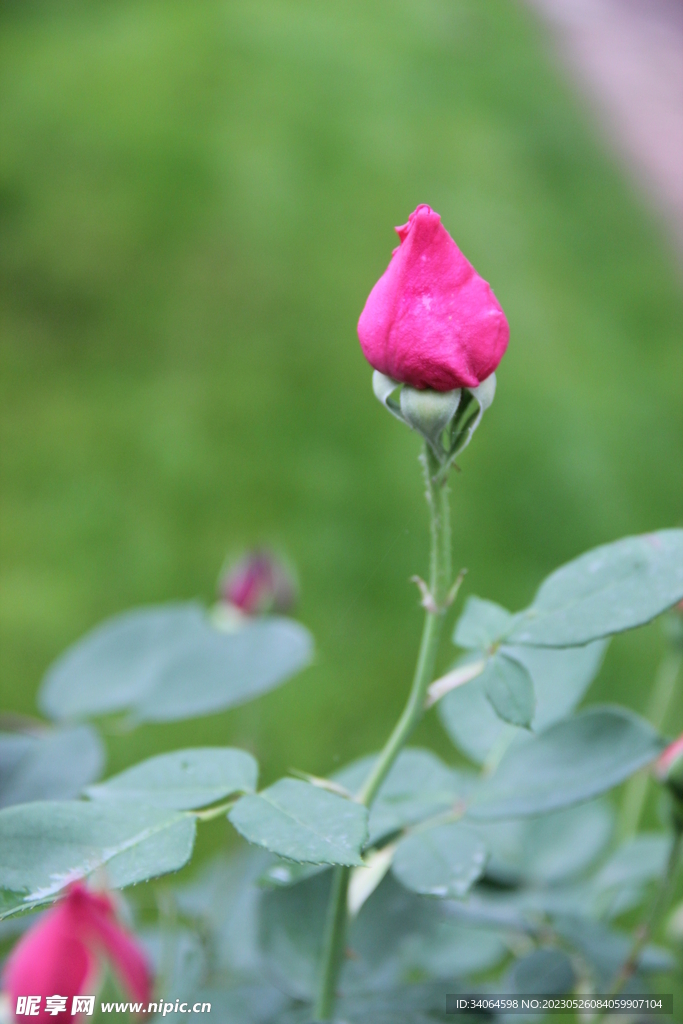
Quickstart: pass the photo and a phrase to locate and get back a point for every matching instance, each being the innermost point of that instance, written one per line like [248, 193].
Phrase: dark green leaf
[169, 663]
[509, 689]
[46, 845]
[224, 899]
[442, 861]
[547, 971]
[482, 624]
[292, 922]
[607, 590]
[303, 822]
[290, 933]
[391, 917]
[54, 765]
[570, 762]
[183, 779]
[396, 934]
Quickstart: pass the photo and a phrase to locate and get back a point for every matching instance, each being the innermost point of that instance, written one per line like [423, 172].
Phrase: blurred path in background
[628, 54]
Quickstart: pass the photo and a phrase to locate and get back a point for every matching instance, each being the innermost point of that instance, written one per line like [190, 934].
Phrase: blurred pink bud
[258, 583]
[431, 321]
[61, 953]
[670, 761]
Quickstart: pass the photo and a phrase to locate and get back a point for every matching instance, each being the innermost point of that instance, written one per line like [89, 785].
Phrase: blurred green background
[195, 200]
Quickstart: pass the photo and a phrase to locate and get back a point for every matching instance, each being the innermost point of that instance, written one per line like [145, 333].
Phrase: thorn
[427, 601]
[453, 592]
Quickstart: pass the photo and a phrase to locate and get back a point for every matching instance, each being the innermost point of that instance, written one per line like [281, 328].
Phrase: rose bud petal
[258, 583]
[60, 954]
[668, 767]
[431, 321]
[120, 948]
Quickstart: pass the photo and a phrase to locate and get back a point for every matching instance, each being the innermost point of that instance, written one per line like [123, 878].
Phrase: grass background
[195, 200]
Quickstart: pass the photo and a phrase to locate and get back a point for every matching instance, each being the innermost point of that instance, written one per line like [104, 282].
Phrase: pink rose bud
[61, 954]
[431, 321]
[669, 765]
[258, 583]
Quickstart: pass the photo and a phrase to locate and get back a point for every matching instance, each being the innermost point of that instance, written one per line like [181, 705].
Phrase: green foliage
[544, 970]
[133, 825]
[164, 664]
[290, 923]
[573, 760]
[303, 822]
[481, 624]
[405, 950]
[444, 861]
[560, 677]
[636, 863]
[46, 845]
[509, 689]
[183, 780]
[606, 949]
[550, 849]
[54, 764]
[607, 590]
[419, 786]
[191, 198]
[194, 200]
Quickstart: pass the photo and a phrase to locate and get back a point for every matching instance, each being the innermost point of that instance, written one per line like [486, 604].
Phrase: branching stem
[439, 587]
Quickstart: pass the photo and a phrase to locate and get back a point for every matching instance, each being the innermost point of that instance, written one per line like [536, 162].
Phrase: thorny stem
[439, 585]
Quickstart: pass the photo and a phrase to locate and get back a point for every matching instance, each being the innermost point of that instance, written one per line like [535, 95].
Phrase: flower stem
[439, 585]
[334, 938]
